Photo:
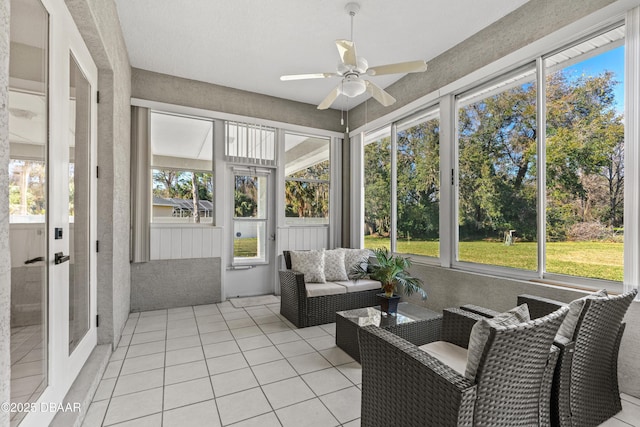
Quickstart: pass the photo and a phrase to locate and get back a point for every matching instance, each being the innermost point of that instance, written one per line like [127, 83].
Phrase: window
[418, 185]
[250, 217]
[250, 143]
[377, 189]
[497, 194]
[307, 171]
[585, 158]
[181, 169]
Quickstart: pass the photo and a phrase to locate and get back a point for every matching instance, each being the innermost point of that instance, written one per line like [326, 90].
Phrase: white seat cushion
[360, 285]
[321, 289]
[450, 354]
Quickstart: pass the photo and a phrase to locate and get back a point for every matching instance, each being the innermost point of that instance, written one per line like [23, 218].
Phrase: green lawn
[245, 247]
[600, 260]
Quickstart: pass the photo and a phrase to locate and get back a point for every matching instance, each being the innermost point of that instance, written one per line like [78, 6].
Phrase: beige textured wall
[534, 20]
[453, 288]
[99, 25]
[175, 90]
[5, 261]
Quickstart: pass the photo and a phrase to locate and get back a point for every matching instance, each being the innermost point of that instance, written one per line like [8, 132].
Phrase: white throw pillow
[570, 322]
[334, 265]
[353, 257]
[480, 335]
[309, 263]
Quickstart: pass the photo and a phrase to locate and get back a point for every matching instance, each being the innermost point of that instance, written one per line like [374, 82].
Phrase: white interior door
[52, 130]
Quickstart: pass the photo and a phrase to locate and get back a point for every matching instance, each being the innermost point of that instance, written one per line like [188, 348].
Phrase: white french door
[52, 127]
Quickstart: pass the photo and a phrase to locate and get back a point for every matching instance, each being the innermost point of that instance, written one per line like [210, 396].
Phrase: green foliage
[246, 197]
[497, 165]
[306, 195]
[391, 271]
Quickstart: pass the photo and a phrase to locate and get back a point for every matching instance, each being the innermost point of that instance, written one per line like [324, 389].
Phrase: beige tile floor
[217, 365]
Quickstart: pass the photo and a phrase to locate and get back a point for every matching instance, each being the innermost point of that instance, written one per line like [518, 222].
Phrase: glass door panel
[250, 219]
[28, 204]
[79, 203]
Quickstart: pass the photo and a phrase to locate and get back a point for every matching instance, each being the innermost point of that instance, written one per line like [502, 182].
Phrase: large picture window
[530, 203]
[181, 169]
[418, 185]
[497, 173]
[307, 172]
[377, 189]
[585, 158]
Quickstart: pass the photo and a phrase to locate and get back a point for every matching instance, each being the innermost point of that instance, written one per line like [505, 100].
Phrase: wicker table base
[416, 324]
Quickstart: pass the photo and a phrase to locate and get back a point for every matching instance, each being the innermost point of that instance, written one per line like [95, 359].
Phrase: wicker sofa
[303, 309]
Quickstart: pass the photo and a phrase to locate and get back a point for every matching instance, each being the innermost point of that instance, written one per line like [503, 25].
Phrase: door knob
[32, 260]
[60, 258]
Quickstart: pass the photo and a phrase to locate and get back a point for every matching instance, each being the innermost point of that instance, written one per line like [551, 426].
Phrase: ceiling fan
[352, 67]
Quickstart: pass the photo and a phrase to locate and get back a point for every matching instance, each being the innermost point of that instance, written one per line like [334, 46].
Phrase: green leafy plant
[391, 271]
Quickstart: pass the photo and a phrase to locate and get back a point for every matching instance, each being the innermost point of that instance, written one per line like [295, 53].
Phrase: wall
[183, 242]
[175, 90]
[526, 24]
[452, 288]
[5, 261]
[99, 25]
[302, 238]
[175, 283]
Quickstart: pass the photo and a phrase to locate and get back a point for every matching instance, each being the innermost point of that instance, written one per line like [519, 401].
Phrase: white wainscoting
[302, 238]
[170, 241]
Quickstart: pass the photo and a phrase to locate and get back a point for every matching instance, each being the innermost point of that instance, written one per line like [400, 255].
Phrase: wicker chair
[403, 385]
[304, 311]
[585, 388]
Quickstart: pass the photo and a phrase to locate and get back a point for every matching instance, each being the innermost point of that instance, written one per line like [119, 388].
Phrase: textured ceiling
[248, 44]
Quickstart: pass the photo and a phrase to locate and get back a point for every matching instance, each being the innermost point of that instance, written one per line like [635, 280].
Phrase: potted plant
[391, 271]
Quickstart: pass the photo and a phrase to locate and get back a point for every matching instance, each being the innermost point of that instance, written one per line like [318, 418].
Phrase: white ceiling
[248, 44]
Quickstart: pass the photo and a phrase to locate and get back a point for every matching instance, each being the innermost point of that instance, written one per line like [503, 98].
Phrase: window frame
[579, 31]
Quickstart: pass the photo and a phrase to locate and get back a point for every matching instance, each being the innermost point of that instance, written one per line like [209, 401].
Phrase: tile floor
[28, 365]
[217, 365]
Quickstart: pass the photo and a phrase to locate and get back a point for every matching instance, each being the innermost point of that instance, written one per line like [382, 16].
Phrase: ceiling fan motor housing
[353, 85]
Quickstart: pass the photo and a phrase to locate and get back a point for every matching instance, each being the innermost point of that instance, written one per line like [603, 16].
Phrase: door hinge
[453, 177]
[97, 320]
[98, 97]
[97, 171]
[97, 245]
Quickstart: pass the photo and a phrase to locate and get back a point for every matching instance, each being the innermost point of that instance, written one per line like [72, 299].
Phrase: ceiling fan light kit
[351, 67]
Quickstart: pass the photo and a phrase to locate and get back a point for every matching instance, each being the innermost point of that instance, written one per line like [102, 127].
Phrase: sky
[612, 60]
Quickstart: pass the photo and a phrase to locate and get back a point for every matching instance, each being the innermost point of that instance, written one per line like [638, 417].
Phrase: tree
[377, 177]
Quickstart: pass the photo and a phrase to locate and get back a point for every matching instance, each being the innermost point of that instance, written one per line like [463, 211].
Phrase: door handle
[32, 260]
[60, 258]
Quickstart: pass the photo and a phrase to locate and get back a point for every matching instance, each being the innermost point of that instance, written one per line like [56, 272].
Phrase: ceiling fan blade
[326, 103]
[379, 94]
[307, 76]
[347, 51]
[400, 67]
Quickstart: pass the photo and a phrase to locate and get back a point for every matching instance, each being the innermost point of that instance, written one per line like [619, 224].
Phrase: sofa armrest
[422, 390]
[293, 297]
[539, 306]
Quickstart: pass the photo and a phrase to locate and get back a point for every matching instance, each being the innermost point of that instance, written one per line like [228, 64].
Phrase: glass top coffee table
[416, 324]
